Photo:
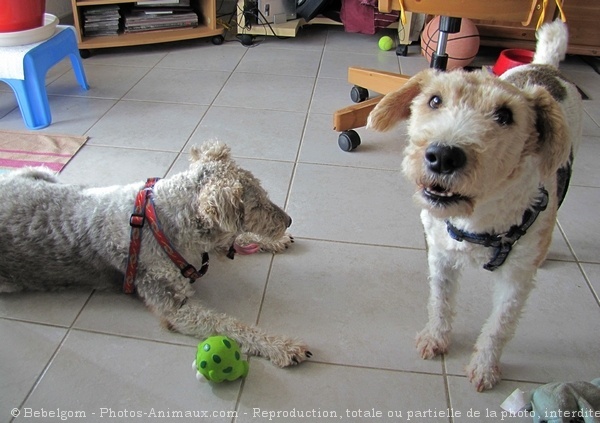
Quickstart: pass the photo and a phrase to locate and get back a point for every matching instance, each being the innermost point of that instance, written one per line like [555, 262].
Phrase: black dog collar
[502, 243]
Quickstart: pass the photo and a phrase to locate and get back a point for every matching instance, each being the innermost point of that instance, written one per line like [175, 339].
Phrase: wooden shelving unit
[207, 28]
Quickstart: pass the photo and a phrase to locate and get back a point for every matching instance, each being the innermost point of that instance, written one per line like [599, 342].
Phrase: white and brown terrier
[491, 159]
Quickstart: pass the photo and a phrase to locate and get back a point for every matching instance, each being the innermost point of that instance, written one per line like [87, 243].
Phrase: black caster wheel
[218, 40]
[246, 39]
[359, 94]
[85, 53]
[402, 50]
[349, 140]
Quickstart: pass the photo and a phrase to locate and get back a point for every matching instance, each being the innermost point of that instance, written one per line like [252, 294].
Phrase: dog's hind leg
[511, 290]
[190, 317]
[434, 339]
[36, 173]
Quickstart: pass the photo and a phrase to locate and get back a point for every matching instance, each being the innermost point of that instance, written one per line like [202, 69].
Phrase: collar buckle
[137, 220]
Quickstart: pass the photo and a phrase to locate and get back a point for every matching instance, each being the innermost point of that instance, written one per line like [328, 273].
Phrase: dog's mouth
[441, 196]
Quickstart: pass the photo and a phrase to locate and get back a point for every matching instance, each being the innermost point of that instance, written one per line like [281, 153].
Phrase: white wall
[60, 8]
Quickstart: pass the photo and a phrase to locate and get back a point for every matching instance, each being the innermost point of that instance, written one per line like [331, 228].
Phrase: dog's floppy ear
[395, 106]
[220, 205]
[553, 143]
[210, 151]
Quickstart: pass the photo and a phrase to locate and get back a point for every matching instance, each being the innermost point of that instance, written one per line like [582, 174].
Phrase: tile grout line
[447, 388]
[208, 108]
[54, 354]
[116, 101]
[305, 124]
[579, 264]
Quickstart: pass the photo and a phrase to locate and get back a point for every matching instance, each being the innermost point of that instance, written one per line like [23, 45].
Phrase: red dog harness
[144, 209]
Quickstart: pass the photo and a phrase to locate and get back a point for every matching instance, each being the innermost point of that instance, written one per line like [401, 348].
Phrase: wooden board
[508, 10]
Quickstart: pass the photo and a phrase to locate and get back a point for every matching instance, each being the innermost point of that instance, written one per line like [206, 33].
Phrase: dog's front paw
[266, 245]
[278, 245]
[285, 352]
[430, 346]
[483, 375]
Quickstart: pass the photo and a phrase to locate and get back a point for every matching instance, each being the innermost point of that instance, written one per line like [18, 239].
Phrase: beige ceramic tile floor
[354, 284]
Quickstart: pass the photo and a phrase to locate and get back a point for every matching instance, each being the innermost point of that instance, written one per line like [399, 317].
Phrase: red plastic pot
[511, 58]
[19, 15]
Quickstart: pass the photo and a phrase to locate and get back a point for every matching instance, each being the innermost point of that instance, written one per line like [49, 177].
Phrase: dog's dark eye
[435, 102]
[503, 116]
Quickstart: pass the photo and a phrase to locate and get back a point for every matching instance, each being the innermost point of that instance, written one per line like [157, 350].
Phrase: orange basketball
[461, 47]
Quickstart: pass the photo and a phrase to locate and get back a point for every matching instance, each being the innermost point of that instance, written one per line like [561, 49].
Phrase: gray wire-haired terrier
[491, 159]
[55, 235]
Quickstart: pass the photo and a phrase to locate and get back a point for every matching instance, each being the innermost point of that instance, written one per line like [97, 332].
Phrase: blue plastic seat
[30, 90]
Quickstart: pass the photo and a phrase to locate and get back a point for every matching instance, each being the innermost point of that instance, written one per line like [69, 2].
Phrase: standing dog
[57, 235]
[491, 158]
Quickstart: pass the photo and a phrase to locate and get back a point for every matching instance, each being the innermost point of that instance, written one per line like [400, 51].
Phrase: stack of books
[151, 15]
[101, 20]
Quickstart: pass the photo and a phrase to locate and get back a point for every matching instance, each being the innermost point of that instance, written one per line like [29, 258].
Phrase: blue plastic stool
[30, 86]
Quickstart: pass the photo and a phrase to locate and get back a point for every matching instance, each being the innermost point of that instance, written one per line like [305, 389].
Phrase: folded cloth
[567, 402]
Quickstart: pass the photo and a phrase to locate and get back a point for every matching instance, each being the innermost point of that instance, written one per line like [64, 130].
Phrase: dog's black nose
[444, 159]
[289, 221]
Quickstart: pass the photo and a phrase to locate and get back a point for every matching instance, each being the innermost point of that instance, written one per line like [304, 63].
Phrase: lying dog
[491, 158]
[57, 235]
